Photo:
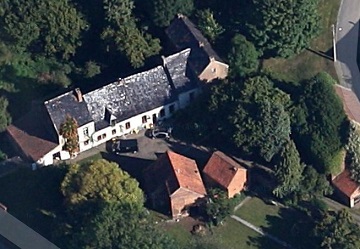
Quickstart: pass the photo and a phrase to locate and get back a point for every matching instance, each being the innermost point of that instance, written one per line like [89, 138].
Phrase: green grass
[307, 64]
[231, 234]
[34, 197]
[286, 224]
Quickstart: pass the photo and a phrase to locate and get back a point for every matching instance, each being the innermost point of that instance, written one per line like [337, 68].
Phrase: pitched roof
[32, 135]
[133, 95]
[177, 66]
[177, 171]
[345, 184]
[222, 168]
[350, 101]
[184, 34]
[67, 104]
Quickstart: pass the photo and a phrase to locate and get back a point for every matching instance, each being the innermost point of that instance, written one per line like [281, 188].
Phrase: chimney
[212, 58]
[179, 15]
[78, 95]
[201, 44]
[163, 60]
[234, 168]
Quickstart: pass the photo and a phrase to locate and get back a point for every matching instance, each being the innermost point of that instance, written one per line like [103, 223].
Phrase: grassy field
[283, 223]
[318, 58]
[230, 235]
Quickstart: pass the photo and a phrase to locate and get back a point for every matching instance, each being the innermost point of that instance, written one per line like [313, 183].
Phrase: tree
[259, 123]
[282, 28]
[288, 171]
[51, 27]
[5, 118]
[338, 230]
[218, 206]
[353, 150]
[120, 226]
[243, 57]
[101, 181]
[163, 11]
[121, 33]
[68, 130]
[91, 69]
[208, 25]
[322, 135]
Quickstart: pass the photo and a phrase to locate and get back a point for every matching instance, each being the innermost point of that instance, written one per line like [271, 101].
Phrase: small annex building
[204, 61]
[223, 172]
[347, 189]
[174, 183]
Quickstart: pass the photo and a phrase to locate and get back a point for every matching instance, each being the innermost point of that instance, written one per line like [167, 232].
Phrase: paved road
[347, 35]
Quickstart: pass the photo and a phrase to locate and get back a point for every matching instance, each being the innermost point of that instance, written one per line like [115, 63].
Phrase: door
[154, 118]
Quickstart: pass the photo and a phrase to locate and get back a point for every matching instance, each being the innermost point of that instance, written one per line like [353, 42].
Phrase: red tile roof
[32, 136]
[222, 168]
[176, 171]
[350, 102]
[345, 184]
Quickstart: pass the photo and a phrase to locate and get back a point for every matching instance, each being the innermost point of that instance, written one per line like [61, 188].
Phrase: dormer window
[113, 122]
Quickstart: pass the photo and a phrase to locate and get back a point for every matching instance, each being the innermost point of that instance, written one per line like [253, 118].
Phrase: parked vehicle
[162, 133]
[124, 146]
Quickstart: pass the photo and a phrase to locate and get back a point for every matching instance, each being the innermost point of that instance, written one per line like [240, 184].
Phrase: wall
[237, 183]
[181, 199]
[48, 159]
[215, 70]
[184, 98]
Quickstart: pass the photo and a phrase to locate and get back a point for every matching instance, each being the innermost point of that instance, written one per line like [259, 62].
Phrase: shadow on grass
[292, 226]
[34, 197]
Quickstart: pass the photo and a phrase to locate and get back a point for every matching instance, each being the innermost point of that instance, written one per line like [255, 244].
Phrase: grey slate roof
[184, 34]
[131, 96]
[67, 104]
[179, 72]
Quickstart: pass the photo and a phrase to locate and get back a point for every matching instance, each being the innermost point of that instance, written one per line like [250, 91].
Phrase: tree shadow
[327, 54]
[291, 226]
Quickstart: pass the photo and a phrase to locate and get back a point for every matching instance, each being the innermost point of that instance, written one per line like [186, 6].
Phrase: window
[144, 119]
[113, 122]
[172, 108]
[86, 132]
[113, 132]
[192, 96]
[213, 70]
[127, 125]
[162, 113]
[103, 136]
[86, 142]
[99, 138]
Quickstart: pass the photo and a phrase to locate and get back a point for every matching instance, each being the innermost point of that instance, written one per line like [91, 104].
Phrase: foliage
[207, 24]
[320, 123]
[91, 69]
[243, 57]
[288, 171]
[353, 150]
[51, 27]
[5, 118]
[163, 11]
[3, 156]
[338, 230]
[218, 206]
[115, 225]
[101, 180]
[122, 33]
[259, 123]
[68, 130]
[282, 28]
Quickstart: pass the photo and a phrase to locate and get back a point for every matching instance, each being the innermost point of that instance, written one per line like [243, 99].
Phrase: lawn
[230, 235]
[34, 197]
[318, 58]
[284, 223]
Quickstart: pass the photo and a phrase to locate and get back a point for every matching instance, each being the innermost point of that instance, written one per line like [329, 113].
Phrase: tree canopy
[101, 181]
[282, 28]
[163, 11]
[5, 118]
[208, 25]
[68, 130]
[353, 151]
[243, 57]
[320, 123]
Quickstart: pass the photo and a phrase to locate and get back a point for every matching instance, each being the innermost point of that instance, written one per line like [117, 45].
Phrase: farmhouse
[174, 183]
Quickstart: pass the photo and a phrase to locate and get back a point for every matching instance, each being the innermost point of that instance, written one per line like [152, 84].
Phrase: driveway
[347, 36]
